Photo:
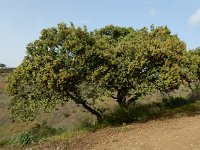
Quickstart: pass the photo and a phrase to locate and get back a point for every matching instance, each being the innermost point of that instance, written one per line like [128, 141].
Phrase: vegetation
[39, 132]
[173, 106]
[5, 69]
[110, 65]
[134, 63]
[2, 65]
[69, 63]
[168, 107]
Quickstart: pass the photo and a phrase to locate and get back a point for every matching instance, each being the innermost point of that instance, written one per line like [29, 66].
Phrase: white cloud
[152, 12]
[195, 18]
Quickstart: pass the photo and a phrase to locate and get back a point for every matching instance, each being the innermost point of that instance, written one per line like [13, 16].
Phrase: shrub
[23, 138]
[143, 113]
[173, 102]
[36, 134]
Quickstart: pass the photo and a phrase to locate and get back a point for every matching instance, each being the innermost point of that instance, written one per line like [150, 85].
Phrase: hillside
[178, 128]
[68, 116]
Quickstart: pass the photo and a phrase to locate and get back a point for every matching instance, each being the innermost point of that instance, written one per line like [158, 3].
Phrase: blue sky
[22, 20]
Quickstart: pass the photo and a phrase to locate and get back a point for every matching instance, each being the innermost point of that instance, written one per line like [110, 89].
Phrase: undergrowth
[168, 107]
[36, 134]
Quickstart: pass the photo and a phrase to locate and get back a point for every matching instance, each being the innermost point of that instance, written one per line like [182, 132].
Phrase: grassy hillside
[70, 116]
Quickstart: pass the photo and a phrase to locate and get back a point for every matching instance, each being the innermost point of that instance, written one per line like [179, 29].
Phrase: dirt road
[170, 134]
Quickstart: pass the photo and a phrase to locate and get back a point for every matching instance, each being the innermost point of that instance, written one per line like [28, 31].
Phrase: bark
[93, 111]
[121, 98]
[78, 100]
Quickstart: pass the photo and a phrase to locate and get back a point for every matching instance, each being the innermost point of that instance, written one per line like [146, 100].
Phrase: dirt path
[171, 134]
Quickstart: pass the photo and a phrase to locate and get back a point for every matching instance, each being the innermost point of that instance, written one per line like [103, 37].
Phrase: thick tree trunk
[121, 103]
[87, 107]
[93, 111]
[121, 98]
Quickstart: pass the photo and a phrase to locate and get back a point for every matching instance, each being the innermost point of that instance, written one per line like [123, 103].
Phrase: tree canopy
[67, 60]
[136, 62]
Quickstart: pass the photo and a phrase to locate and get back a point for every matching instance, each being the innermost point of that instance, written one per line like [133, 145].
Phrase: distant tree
[2, 65]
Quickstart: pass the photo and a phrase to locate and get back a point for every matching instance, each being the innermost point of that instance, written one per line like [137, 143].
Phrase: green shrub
[136, 113]
[142, 113]
[173, 102]
[36, 134]
[23, 138]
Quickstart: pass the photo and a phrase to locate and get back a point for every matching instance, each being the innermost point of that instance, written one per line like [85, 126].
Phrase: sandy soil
[171, 134]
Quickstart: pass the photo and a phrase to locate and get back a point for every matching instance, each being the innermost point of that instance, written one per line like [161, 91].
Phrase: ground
[169, 134]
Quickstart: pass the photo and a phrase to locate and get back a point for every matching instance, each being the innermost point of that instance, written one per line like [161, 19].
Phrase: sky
[22, 20]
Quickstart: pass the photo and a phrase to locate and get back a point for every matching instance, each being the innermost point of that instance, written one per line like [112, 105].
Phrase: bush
[36, 134]
[135, 113]
[173, 102]
[23, 138]
[143, 113]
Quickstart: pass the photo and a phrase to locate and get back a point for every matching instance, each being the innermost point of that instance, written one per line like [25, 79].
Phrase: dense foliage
[69, 63]
[133, 63]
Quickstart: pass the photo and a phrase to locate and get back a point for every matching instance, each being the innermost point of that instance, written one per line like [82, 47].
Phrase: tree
[2, 65]
[195, 60]
[66, 61]
[51, 72]
[133, 63]
[193, 65]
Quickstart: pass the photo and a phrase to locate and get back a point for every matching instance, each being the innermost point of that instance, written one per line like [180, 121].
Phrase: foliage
[69, 63]
[23, 139]
[51, 73]
[194, 63]
[36, 134]
[133, 63]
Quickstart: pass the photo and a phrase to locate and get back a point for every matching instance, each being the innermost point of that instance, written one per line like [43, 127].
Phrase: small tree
[2, 65]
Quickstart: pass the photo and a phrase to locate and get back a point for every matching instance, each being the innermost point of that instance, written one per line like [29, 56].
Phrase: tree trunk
[93, 111]
[121, 98]
[87, 107]
[121, 103]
